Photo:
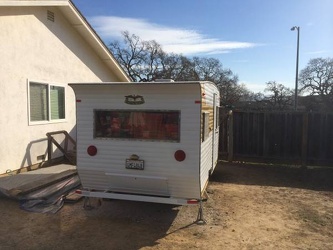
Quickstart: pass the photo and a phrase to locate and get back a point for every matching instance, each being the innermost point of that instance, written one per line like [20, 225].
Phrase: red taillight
[92, 150]
[180, 155]
[192, 202]
[78, 191]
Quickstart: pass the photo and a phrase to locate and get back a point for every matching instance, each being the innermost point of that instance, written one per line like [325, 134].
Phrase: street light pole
[297, 58]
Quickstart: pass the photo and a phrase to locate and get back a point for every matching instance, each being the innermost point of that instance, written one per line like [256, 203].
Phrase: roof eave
[79, 23]
[34, 3]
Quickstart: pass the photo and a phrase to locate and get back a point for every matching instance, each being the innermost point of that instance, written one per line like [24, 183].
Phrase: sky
[253, 38]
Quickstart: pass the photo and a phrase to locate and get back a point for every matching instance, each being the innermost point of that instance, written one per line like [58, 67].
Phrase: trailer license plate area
[135, 164]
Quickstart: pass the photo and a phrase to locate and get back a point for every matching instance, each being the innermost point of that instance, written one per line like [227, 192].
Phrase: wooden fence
[289, 137]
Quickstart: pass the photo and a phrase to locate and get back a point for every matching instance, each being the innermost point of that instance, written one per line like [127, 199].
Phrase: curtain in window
[150, 125]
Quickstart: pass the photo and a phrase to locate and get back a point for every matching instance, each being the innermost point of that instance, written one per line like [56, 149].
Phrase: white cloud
[177, 40]
[317, 52]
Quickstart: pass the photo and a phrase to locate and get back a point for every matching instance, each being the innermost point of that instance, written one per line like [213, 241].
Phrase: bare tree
[208, 69]
[130, 55]
[146, 61]
[140, 59]
[280, 97]
[176, 67]
[317, 79]
[152, 63]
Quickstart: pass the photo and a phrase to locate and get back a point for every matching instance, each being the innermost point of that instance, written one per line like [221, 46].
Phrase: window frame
[49, 120]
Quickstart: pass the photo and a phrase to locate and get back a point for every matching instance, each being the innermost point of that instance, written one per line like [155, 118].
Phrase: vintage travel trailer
[151, 141]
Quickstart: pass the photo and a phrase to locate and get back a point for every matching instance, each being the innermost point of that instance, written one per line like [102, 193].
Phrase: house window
[137, 125]
[47, 102]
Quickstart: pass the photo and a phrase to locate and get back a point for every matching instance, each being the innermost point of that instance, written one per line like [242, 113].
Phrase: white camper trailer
[151, 141]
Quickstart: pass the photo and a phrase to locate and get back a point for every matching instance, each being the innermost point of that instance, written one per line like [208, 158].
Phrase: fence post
[230, 136]
[305, 139]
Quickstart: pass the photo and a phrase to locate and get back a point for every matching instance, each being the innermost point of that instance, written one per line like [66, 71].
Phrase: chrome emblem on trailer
[134, 157]
[134, 99]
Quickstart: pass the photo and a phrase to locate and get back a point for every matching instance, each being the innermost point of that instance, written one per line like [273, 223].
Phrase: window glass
[47, 102]
[57, 102]
[145, 125]
[38, 102]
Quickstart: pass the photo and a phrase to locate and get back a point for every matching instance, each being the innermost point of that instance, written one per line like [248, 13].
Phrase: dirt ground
[249, 207]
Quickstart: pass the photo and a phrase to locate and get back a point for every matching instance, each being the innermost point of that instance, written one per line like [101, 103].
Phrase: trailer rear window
[142, 125]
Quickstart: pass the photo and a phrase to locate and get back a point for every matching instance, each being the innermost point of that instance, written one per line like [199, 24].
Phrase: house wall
[34, 48]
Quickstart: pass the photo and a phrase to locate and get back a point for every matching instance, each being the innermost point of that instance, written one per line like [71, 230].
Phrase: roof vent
[50, 16]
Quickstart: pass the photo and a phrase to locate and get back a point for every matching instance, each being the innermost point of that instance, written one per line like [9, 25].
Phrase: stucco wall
[34, 48]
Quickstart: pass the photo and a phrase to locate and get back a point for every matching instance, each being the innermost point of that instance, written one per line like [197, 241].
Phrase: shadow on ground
[113, 225]
[128, 224]
[320, 179]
